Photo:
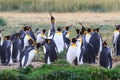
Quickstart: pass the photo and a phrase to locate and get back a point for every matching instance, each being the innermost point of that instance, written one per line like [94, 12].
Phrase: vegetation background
[60, 5]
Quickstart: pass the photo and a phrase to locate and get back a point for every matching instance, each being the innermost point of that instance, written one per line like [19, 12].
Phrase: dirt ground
[15, 18]
[68, 18]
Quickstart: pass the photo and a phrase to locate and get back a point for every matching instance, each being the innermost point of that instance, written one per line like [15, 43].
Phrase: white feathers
[40, 37]
[71, 53]
[30, 56]
[48, 61]
[58, 38]
[11, 61]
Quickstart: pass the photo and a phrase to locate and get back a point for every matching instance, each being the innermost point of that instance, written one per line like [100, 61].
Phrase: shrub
[2, 22]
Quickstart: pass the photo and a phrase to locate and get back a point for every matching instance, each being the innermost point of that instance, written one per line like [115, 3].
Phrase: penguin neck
[58, 32]
[116, 31]
[73, 44]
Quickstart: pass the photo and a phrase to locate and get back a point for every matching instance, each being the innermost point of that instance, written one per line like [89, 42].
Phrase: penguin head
[89, 30]
[44, 30]
[73, 40]
[52, 18]
[25, 28]
[17, 35]
[97, 29]
[47, 40]
[117, 27]
[7, 37]
[38, 45]
[29, 28]
[58, 29]
[104, 43]
[77, 31]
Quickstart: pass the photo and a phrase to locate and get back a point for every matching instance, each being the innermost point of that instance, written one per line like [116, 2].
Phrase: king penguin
[72, 52]
[106, 56]
[7, 47]
[115, 38]
[96, 40]
[66, 34]
[59, 41]
[51, 51]
[79, 50]
[52, 27]
[28, 55]
[41, 36]
[17, 48]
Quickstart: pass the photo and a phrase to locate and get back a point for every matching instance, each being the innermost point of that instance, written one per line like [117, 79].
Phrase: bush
[2, 22]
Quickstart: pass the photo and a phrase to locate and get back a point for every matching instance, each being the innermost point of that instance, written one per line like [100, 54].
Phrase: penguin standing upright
[66, 34]
[79, 50]
[59, 41]
[96, 41]
[51, 51]
[115, 39]
[72, 52]
[88, 35]
[106, 56]
[17, 48]
[6, 55]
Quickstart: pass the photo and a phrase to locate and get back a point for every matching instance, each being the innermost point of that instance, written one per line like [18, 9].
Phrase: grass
[60, 5]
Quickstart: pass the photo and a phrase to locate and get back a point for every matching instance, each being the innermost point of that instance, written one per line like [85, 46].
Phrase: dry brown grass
[68, 18]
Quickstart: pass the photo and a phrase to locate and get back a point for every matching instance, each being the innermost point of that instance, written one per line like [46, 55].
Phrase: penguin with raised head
[28, 55]
[72, 52]
[106, 56]
[115, 38]
[59, 41]
[51, 51]
[52, 27]
[17, 48]
[6, 55]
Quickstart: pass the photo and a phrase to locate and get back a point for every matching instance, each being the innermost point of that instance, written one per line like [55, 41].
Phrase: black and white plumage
[59, 41]
[118, 46]
[52, 27]
[72, 53]
[96, 42]
[106, 56]
[51, 51]
[6, 55]
[27, 56]
[17, 48]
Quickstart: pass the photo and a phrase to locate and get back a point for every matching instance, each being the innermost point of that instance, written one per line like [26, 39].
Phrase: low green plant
[2, 22]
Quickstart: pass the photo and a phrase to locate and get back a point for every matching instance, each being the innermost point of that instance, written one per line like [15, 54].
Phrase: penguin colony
[85, 47]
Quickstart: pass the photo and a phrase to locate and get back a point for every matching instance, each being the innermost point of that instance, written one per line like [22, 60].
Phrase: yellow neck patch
[28, 37]
[35, 51]
[116, 31]
[59, 33]
[42, 34]
[73, 45]
[88, 34]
